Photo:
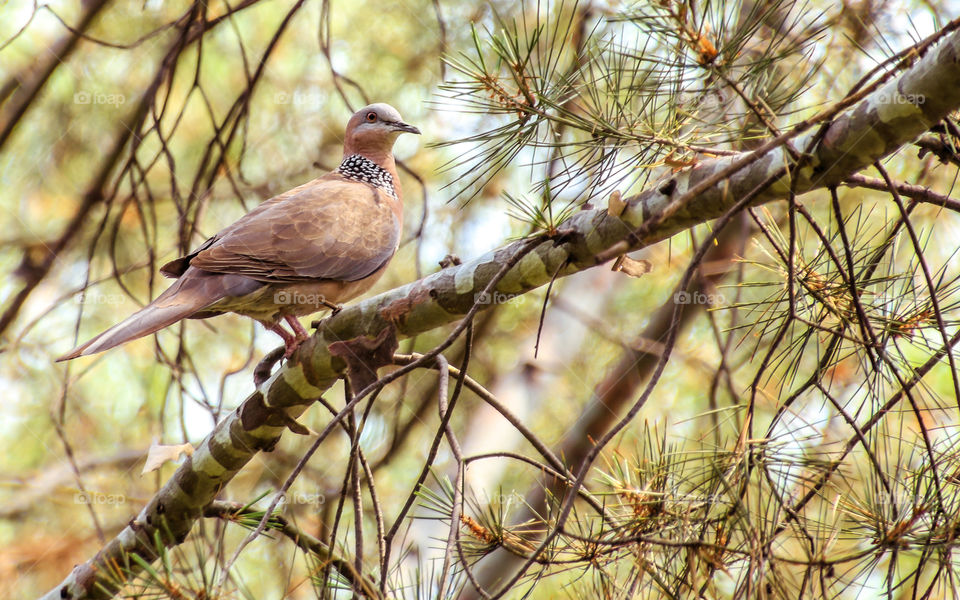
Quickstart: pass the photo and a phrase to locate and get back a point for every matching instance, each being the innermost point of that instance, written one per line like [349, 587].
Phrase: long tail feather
[189, 294]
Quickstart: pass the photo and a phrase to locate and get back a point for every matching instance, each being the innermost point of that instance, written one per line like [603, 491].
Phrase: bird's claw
[291, 347]
[334, 308]
[291, 341]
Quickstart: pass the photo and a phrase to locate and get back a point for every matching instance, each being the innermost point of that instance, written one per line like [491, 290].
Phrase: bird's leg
[292, 342]
[297, 326]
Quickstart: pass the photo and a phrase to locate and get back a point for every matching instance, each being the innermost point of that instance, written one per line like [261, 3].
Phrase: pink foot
[290, 341]
[297, 326]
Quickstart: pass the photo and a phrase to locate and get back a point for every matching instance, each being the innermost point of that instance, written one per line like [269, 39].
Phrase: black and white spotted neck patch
[360, 168]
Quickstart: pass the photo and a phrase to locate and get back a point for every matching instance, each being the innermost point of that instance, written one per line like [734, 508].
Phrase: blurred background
[131, 131]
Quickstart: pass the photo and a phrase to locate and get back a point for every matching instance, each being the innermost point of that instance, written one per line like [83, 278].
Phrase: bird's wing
[332, 228]
[175, 268]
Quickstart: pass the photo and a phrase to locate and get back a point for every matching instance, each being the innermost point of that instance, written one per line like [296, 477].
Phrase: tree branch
[875, 127]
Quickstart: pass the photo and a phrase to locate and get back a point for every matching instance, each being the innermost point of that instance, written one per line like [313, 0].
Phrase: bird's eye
[371, 116]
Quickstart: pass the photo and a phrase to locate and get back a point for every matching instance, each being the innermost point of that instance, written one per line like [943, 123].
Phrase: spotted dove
[315, 246]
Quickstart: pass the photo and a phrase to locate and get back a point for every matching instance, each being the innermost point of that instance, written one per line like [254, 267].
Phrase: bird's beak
[401, 126]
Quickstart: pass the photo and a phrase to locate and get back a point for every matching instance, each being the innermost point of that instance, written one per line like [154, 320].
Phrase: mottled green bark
[892, 116]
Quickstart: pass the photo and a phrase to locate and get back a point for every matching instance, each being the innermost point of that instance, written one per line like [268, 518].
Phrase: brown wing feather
[331, 228]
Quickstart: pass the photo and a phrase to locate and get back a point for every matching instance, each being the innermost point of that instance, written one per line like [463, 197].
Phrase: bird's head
[373, 129]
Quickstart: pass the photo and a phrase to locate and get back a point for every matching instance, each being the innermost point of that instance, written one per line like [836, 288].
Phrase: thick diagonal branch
[875, 127]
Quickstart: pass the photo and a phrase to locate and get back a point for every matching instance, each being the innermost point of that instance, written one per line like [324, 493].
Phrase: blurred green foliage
[111, 407]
